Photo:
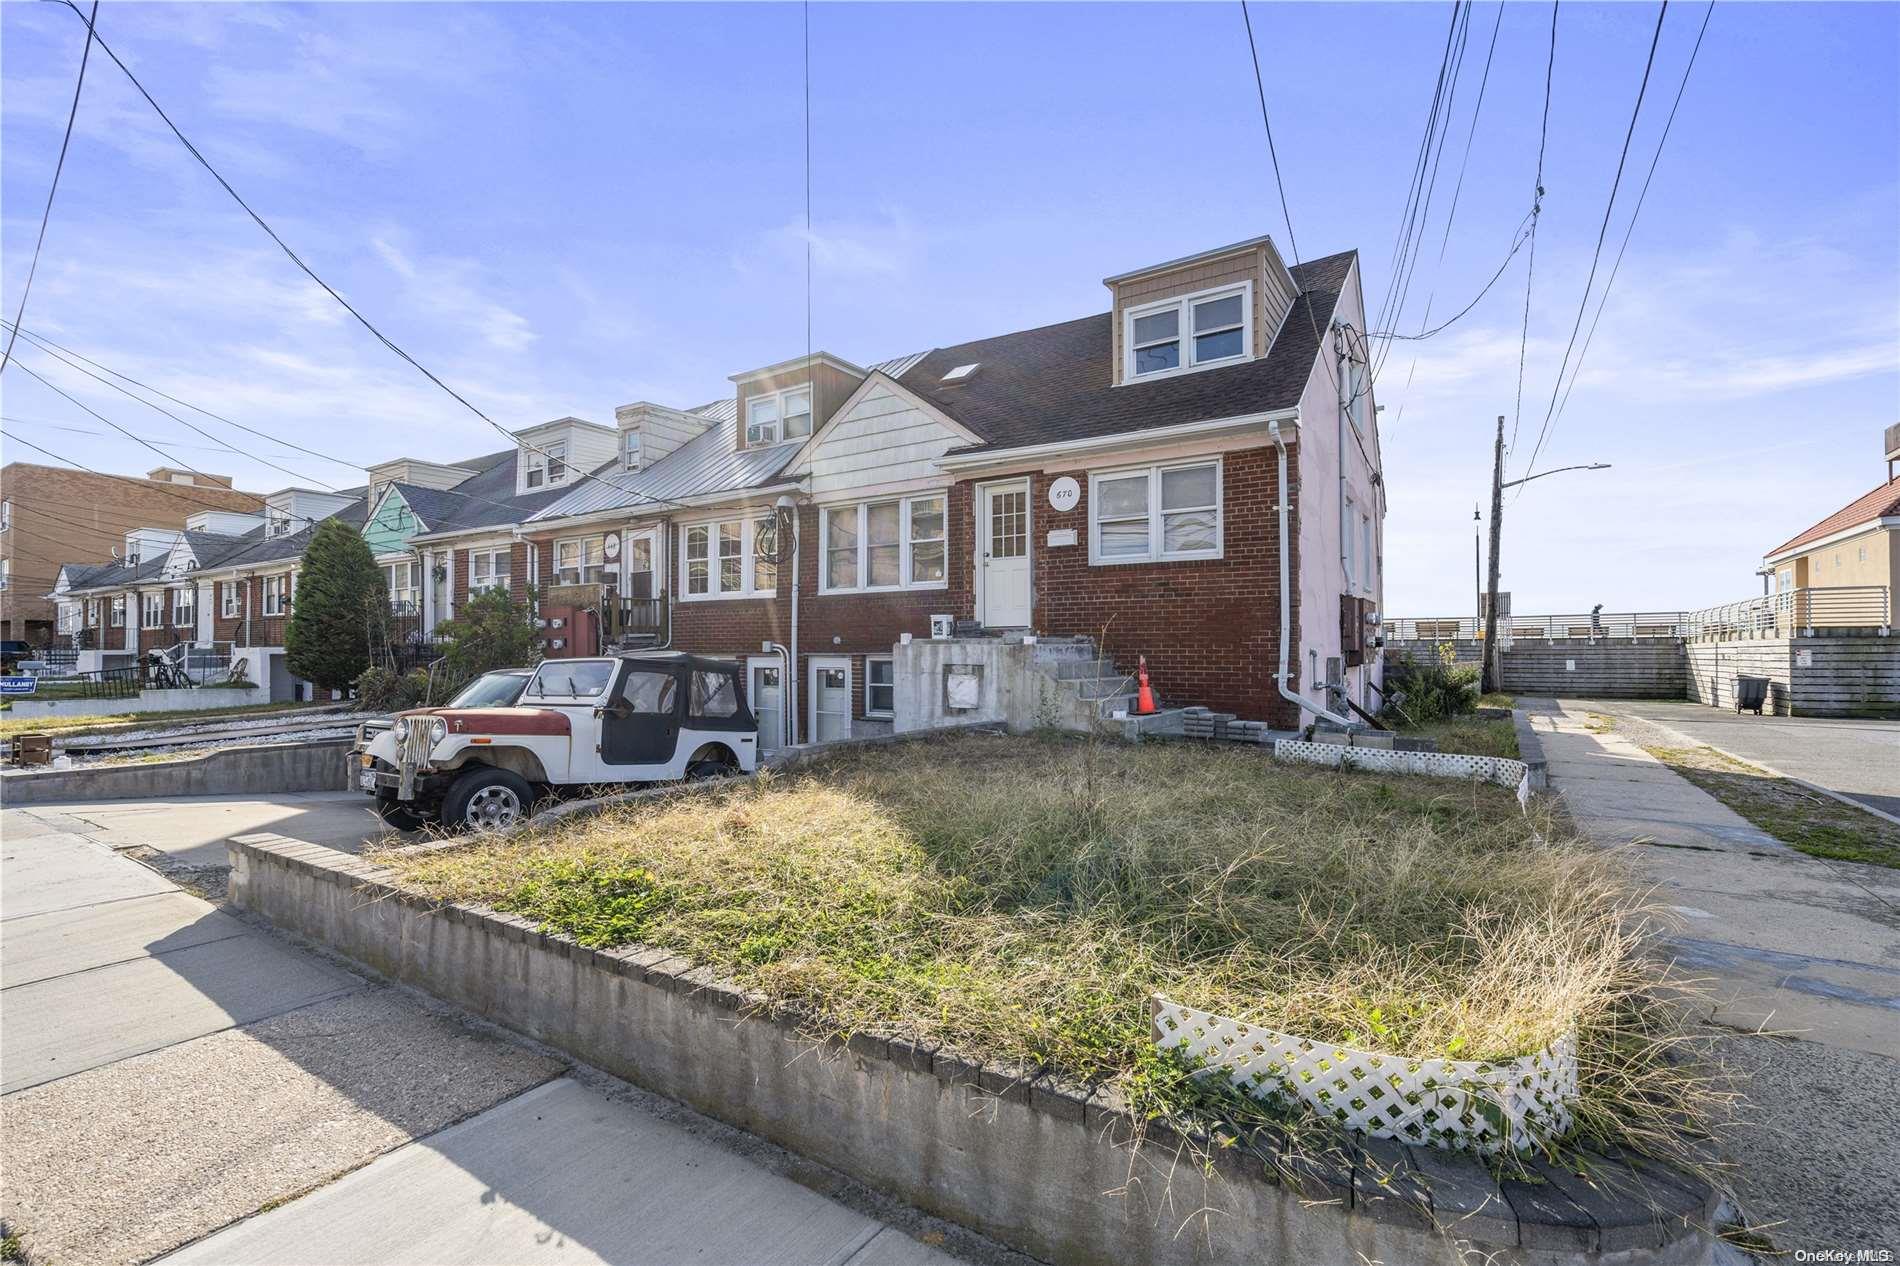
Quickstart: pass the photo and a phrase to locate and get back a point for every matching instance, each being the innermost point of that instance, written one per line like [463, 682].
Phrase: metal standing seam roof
[704, 465]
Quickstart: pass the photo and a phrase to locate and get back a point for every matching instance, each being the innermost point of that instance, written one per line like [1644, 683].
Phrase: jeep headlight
[438, 730]
[401, 729]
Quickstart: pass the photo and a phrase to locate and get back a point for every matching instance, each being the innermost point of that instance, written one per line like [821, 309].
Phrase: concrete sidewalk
[1805, 949]
[170, 1070]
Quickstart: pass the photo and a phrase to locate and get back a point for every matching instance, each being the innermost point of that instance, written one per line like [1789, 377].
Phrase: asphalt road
[1857, 758]
[170, 1070]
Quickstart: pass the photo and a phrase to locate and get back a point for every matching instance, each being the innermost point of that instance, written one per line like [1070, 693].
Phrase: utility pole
[1493, 662]
[1477, 565]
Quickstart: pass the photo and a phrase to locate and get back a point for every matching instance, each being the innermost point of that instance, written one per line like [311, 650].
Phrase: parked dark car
[12, 652]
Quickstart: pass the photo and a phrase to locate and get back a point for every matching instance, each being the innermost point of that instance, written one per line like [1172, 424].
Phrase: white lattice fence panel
[1476, 1104]
[1493, 769]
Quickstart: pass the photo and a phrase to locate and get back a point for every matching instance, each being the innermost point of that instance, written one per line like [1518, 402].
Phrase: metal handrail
[1829, 606]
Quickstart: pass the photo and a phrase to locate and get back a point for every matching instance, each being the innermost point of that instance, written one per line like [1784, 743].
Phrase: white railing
[1603, 624]
[1829, 607]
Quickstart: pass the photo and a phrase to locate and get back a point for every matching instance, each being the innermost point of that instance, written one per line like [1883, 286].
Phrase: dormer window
[1197, 331]
[547, 464]
[279, 521]
[781, 415]
[630, 449]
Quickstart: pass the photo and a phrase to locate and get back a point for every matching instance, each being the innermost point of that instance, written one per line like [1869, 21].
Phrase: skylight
[960, 373]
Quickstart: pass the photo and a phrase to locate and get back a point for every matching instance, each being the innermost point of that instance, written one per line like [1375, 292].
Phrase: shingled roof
[1053, 383]
[1883, 502]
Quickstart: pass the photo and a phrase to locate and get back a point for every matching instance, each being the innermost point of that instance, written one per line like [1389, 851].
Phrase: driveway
[1801, 959]
[170, 1070]
[1857, 758]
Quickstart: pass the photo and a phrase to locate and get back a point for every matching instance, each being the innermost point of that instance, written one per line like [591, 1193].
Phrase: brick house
[1119, 472]
[51, 513]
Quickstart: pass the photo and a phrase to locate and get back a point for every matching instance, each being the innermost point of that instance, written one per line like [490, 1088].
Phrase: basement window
[880, 686]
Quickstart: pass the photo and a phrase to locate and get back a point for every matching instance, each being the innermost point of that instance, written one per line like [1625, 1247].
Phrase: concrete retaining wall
[320, 766]
[1819, 676]
[1625, 668]
[202, 699]
[1041, 1166]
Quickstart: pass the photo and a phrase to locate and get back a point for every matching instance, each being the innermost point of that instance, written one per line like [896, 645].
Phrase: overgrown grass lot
[1470, 735]
[1805, 820]
[12, 727]
[1019, 900]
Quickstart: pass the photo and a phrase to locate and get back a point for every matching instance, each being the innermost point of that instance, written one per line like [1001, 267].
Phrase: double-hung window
[487, 569]
[730, 558]
[151, 610]
[547, 464]
[118, 611]
[897, 544]
[780, 415]
[405, 596]
[1157, 513]
[880, 686]
[228, 599]
[1214, 327]
[276, 590]
[580, 561]
[184, 606]
[630, 449]
[92, 613]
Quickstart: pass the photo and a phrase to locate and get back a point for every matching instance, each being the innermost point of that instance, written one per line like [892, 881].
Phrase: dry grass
[1805, 820]
[1470, 735]
[1020, 899]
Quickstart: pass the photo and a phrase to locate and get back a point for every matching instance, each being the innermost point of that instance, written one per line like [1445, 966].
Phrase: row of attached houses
[1193, 476]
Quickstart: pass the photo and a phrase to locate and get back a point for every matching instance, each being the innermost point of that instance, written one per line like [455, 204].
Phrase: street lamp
[1493, 660]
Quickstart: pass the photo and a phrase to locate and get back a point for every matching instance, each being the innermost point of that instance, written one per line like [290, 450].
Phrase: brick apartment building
[49, 514]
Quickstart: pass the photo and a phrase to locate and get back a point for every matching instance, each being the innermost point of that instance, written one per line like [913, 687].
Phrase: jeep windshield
[491, 690]
[570, 679]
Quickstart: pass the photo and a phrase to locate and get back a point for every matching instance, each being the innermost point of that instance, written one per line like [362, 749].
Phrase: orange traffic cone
[1145, 696]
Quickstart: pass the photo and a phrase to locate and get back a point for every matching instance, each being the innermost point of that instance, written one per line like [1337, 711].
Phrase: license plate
[367, 780]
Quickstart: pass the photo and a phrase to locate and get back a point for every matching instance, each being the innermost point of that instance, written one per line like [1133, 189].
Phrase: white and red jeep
[578, 723]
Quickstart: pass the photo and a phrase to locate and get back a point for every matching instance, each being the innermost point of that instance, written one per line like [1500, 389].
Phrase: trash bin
[1750, 694]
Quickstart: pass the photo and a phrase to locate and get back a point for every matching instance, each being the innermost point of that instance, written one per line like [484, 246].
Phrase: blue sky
[562, 208]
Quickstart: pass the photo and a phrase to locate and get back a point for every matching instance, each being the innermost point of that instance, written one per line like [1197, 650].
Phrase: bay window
[730, 558]
[897, 544]
[487, 569]
[1158, 513]
[1213, 327]
[779, 415]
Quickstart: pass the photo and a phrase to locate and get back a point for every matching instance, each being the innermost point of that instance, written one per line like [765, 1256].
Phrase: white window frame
[403, 599]
[1184, 331]
[601, 564]
[815, 665]
[500, 560]
[1156, 532]
[748, 525]
[152, 609]
[227, 599]
[905, 543]
[277, 521]
[777, 399]
[547, 465]
[871, 683]
[630, 450]
[185, 607]
[275, 587]
[92, 612]
[117, 609]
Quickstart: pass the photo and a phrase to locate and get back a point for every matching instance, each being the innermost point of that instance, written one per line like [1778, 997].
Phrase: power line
[1543, 432]
[1519, 237]
[1537, 207]
[149, 484]
[170, 458]
[362, 320]
[46, 215]
[70, 364]
[1260, 86]
[34, 336]
[1630, 230]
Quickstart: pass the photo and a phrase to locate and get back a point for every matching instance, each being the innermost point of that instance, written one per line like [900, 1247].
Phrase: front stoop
[1019, 1154]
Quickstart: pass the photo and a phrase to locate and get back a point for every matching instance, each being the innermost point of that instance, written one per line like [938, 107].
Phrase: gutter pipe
[1286, 597]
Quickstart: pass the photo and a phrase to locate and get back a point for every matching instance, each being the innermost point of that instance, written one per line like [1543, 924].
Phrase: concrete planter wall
[202, 699]
[1039, 1165]
[317, 766]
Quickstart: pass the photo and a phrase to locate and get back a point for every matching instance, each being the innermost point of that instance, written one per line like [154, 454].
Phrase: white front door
[1002, 530]
[830, 699]
[766, 692]
[637, 575]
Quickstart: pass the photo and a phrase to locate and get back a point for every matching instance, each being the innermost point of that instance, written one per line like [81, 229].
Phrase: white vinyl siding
[729, 558]
[895, 544]
[1155, 513]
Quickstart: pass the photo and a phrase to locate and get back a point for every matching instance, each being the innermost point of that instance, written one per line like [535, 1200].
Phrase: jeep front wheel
[487, 799]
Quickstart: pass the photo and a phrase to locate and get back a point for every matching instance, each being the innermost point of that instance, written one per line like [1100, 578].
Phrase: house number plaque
[1064, 494]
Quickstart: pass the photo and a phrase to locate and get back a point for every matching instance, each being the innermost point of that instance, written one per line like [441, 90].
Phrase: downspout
[1341, 392]
[1286, 596]
[790, 506]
